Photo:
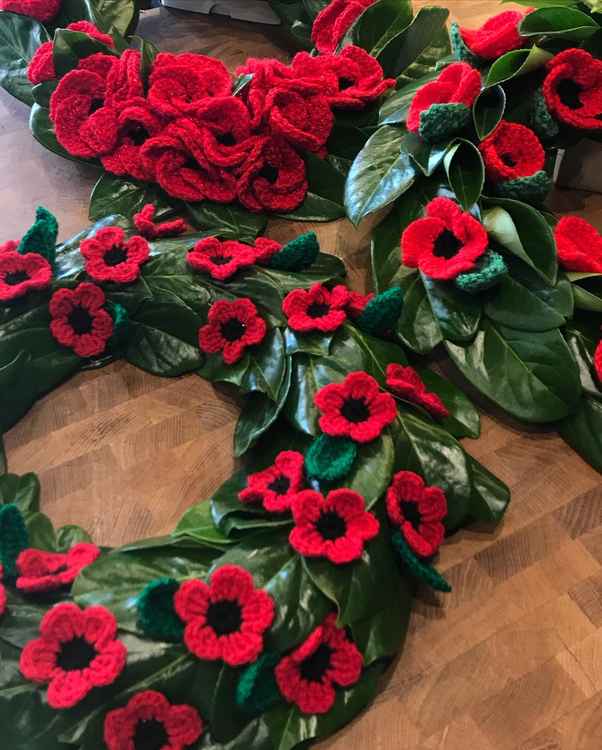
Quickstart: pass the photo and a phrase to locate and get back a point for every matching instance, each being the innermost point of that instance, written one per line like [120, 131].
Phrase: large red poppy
[80, 320]
[277, 486]
[304, 121]
[39, 570]
[316, 309]
[110, 256]
[512, 151]
[224, 131]
[579, 245]
[333, 21]
[573, 89]
[498, 35]
[22, 273]
[231, 328]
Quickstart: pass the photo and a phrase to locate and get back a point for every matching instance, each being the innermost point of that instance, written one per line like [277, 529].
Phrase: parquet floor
[512, 660]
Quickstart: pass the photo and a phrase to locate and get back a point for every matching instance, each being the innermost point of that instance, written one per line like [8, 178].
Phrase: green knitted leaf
[13, 538]
[532, 189]
[459, 49]
[297, 255]
[329, 459]
[121, 323]
[41, 236]
[426, 573]
[257, 691]
[542, 121]
[490, 269]
[441, 121]
[157, 617]
[382, 312]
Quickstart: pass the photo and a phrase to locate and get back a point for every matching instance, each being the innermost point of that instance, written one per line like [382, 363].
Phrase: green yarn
[121, 325]
[532, 189]
[542, 121]
[297, 255]
[382, 312]
[41, 236]
[329, 459]
[459, 49]
[425, 573]
[257, 691]
[441, 121]
[157, 617]
[489, 271]
[13, 538]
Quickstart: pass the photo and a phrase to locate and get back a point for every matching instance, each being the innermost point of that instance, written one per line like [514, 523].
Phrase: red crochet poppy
[265, 248]
[148, 721]
[79, 319]
[316, 309]
[276, 487]
[124, 79]
[305, 121]
[220, 260]
[225, 138]
[232, 327]
[407, 383]
[3, 600]
[333, 22]
[39, 570]
[9, 246]
[598, 361]
[497, 36]
[111, 257]
[445, 243]
[512, 151]
[336, 527]
[357, 302]
[41, 10]
[579, 245]
[573, 89]
[459, 83]
[20, 274]
[225, 619]
[327, 658]
[355, 408]
[145, 223]
[77, 651]
[418, 511]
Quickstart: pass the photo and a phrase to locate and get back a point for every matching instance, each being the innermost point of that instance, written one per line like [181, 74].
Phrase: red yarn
[232, 327]
[496, 36]
[220, 260]
[41, 10]
[579, 245]
[304, 121]
[111, 257]
[277, 486]
[408, 384]
[333, 22]
[316, 309]
[418, 511]
[225, 138]
[598, 361]
[79, 320]
[9, 246]
[573, 89]
[512, 151]
[145, 223]
[124, 80]
[77, 651]
[445, 243]
[357, 302]
[3, 599]
[355, 408]
[148, 716]
[21, 274]
[225, 619]
[327, 658]
[39, 570]
[265, 248]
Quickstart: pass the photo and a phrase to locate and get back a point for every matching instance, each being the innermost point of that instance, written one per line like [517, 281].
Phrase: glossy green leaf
[587, 290]
[373, 469]
[457, 313]
[20, 36]
[378, 24]
[582, 348]
[23, 491]
[3, 461]
[490, 496]
[568, 23]
[395, 107]
[516, 63]
[113, 195]
[426, 156]
[43, 131]
[583, 431]
[69, 47]
[418, 327]
[114, 15]
[465, 172]
[488, 110]
[197, 524]
[326, 195]
[309, 375]
[463, 420]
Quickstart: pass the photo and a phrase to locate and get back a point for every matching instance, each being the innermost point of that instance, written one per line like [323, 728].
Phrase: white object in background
[255, 11]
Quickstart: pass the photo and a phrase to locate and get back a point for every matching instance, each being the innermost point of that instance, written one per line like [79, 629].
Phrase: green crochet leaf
[257, 691]
[13, 539]
[459, 49]
[297, 255]
[157, 617]
[542, 121]
[329, 459]
[532, 189]
[121, 322]
[489, 271]
[382, 312]
[421, 570]
[442, 121]
[41, 236]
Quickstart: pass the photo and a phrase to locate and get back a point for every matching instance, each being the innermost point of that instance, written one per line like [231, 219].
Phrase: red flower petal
[407, 383]
[333, 21]
[44, 571]
[21, 274]
[220, 260]
[498, 35]
[573, 89]
[41, 10]
[145, 223]
[578, 243]
[598, 361]
[512, 151]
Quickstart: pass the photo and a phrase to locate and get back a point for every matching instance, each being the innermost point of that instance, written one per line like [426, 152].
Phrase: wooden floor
[511, 660]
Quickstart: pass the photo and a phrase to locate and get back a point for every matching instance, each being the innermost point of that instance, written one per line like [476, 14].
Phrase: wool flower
[124, 79]
[357, 302]
[306, 122]
[578, 244]
[79, 319]
[232, 327]
[444, 244]
[276, 487]
[110, 256]
[38, 570]
[41, 10]
[496, 36]
[226, 618]
[76, 652]
[3, 599]
[333, 21]
[572, 89]
[225, 138]
[407, 383]
[316, 309]
[21, 274]
[220, 260]
[148, 721]
[418, 511]
[145, 223]
[265, 249]
[512, 151]
[326, 659]
[598, 361]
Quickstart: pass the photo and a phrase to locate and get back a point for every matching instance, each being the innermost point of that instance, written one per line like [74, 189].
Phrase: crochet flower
[573, 89]
[149, 720]
[355, 408]
[38, 570]
[79, 319]
[276, 487]
[3, 599]
[497, 36]
[111, 257]
[336, 527]
[447, 242]
[326, 659]
[407, 383]
[418, 511]
[225, 619]
[220, 260]
[225, 138]
[145, 223]
[598, 361]
[20, 274]
[265, 248]
[231, 328]
[578, 243]
[305, 122]
[41, 10]
[124, 79]
[77, 651]
[316, 309]
[332, 23]
[512, 151]
[357, 302]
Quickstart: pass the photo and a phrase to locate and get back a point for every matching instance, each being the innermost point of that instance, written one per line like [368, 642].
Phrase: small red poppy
[304, 121]
[316, 309]
[265, 248]
[496, 36]
[445, 243]
[77, 651]
[407, 383]
[79, 320]
[225, 619]
[111, 257]
[276, 487]
[41, 10]
[573, 89]
[355, 408]
[220, 260]
[598, 361]
[418, 511]
[579, 245]
[224, 131]
[20, 274]
[333, 21]
[512, 151]
[357, 303]
[145, 223]
[326, 659]
[231, 328]
[39, 570]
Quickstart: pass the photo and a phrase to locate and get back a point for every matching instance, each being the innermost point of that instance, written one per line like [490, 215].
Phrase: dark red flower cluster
[277, 486]
[232, 326]
[20, 274]
[41, 10]
[512, 151]
[407, 383]
[38, 570]
[578, 244]
[333, 21]
[598, 361]
[496, 36]
[110, 256]
[316, 309]
[145, 223]
[80, 320]
[573, 89]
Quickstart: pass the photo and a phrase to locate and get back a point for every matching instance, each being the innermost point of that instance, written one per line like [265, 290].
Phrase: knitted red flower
[224, 133]
[336, 527]
[316, 309]
[308, 676]
[598, 361]
[111, 257]
[578, 243]
[445, 243]
[573, 89]
[225, 619]
[265, 248]
[41, 10]
[305, 122]
[231, 328]
[124, 79]
[149, 720]
[220, 260]
[355, 408]
[512, 151]
[418, 511]
[276, 487]
[3, 599]
[145, 223]
[77, 651]
[39, 570]
[497, 36]
[79, 319]
[333, 21]
[20, 274]
[357, 303]
[408, 384]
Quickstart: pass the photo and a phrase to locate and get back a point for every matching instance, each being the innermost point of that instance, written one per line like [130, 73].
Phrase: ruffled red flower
[20, 274]
[276, 487]
[332, 23]
[265, 248]
[308, 676]
[149, 720]
[305, 122]
[79, 319]
[336, 527]
[598, 361]
[418, 511]
[220, 260]
[579, 245]
[512, 151]
[573, 89]
[41, 10]
[407, 383]
[124, 79]
[39, 570]
[145, 223]
[459, 83]
[316, 309]
[224, 134]
[355, 408]
[77, 651]
[225, 619]
[357, 302]
[111, 257]
[496, 36]
[447, 242]
[231, 328]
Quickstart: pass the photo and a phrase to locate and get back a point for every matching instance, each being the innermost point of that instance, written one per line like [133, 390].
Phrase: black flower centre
[138, 134]
[568, 92]
[75, 654]
[115, 256]
[224, 617]
[269, 173]
[355, 410]
[318, 309]
[233, 329]
[226, 139]
[96, 104]
[150, 734]
[331, 526]
[508, 160]
[80, 320]
[220, 260]
[411, 513]
[281, 485]
[315, 666]
[345, 83]
[446, 245]
[16, 277]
